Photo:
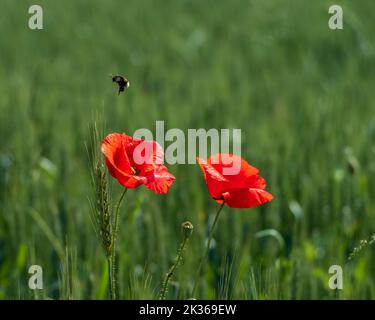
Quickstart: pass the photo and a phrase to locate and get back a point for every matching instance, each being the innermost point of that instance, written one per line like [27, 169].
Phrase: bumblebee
[122, 82]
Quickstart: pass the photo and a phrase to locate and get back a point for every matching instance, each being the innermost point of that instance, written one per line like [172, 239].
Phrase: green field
[301, 93]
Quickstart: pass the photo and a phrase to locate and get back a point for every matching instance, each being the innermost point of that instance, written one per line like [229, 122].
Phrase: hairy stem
[113, 274]
[172, 270]
[110, 277]
[204, 257]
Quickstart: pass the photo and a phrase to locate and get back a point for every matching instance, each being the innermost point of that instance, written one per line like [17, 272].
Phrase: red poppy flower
[244, 189]
[134, 162]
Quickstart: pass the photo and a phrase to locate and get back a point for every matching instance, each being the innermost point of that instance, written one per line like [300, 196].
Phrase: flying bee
[121, 81]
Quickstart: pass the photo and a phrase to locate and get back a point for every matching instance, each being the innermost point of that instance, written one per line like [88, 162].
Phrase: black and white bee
[122, 82]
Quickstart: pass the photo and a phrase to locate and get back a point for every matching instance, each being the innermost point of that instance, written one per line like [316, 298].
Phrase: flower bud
[187, 229]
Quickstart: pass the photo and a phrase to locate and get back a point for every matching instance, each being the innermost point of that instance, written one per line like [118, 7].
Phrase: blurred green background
[302, 94]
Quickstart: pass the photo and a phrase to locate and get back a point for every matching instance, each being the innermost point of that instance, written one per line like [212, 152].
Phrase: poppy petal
[159, 180]
[241, 169]
[133, 166]
[246, 198]
[112, 148]
[145, 153]
[216, 182]
[256, 182]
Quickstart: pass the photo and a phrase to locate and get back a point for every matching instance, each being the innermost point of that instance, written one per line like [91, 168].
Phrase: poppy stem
[110, 277]
[172, 270]
[205, 255]
[112, 262]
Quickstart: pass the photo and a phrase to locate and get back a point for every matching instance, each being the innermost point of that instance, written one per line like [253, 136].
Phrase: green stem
[110, 277]
[112, 274]
[171, 271]
[204, 257]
